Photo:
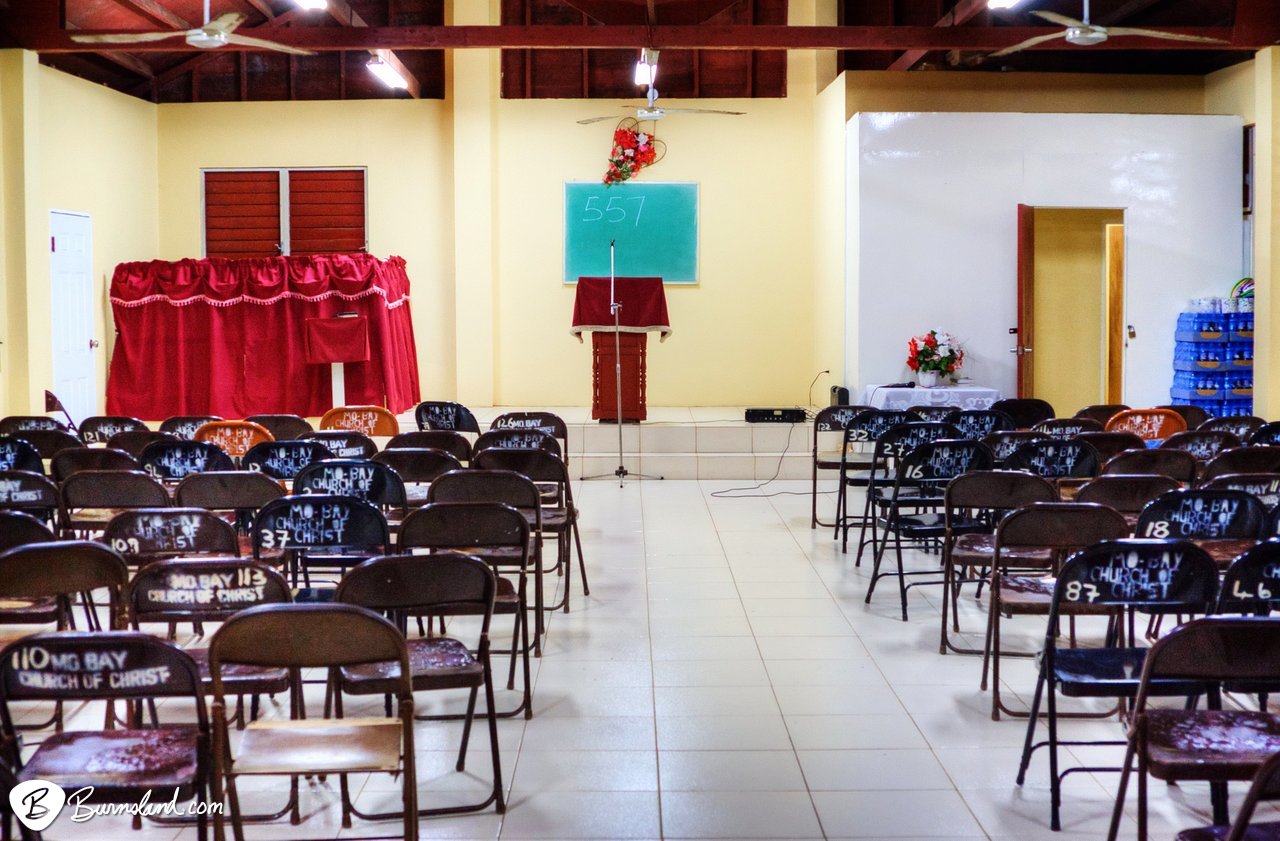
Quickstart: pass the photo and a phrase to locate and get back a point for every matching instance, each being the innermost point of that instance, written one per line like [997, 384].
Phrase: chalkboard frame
[627, 264]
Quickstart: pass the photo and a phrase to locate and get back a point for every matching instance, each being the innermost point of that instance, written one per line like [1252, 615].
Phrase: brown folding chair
[1111, 444]
[1060, 527]
[1213, 745]
[40, 573]
[1004, 444]
[143, 535]
[10, 424]
[444, 584]
[237, 494]
[344, 443]
[1025, 411]
[453, 443]
[49, 442]
[174, 460]
[1264, 486]
[548, 422]
[235, 438]
[71, 461]
[300, 636]
[1243, 460]
[1178, 465]
[1193, 415]
[442, 414]
[1266, 786]
[22, 490]
[17, 454]
[1128, 494]
[1067, 427]
[1204, 444]
[499, 535]
[185, 426]
[1148, 424]
[283, 427]
[19, 529]
[99, 429]
[90, 498]
[417, 469]
[828, 441]
[1241, 426]
[134, 441]
[1101, 412]
[369, 420]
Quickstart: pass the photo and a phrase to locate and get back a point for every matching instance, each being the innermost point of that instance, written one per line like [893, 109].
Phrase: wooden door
[1023, 333]
[1115, 314]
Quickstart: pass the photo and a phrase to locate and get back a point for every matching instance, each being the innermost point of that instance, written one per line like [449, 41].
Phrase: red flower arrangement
[632, 151]
[936, 351]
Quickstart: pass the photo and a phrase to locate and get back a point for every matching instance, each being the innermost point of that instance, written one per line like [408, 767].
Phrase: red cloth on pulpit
[644, 306]
[331, 340]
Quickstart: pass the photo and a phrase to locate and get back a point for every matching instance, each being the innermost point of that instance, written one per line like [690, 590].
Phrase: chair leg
[499, 803]
[902, 576]
[1117, 811]
[993, 605]
[582, 564]
[1055, 782]
[1142, 794]
[813, 495]
[466, 727]
[1218, 797]
[1031, 728]
[515, 646]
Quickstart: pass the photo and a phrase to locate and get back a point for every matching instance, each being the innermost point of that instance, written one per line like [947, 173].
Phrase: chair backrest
[1252, 583]
[1154, 575]
[307, 636]
[537, 465]
[234, 437]
[933, 414]
[1266, 435]
[72, 461]
[453, 443]
[903, 438]
[1126, 493]
[1111, 444]
[227, 490]
[1201, 443]
[1199, 514]
[1264, 486]
[22, 423]
[283, 459]
[416, 465]
[1266, 786]
[1101, 412]
[1241, 426]
[547, 422]
[977, 423]
[344, 443]
[1176, 464]
[517, 439]
[64, 568]
[22, 490]
[998, 490]
[1068, 427]
[370, 420]
[371, 481]
[1003, 444]
[938, 462]
[1251, 459]
[1025, 411]
[320, 521]
[185, 426]
[1148, 424]
[17, 454]
[441, 414]
[465, 526]
[134, 441]
[869, 425]
[504, 486]
[1055, 459]
[444, 582]
[1194, 416]
[19, 529]
[48, 442]
[1060, 525]
[178, 459]
[112, 489]
[203, 590]
[283, 427]
[1214, 648]
[144, 534]
[98, 429]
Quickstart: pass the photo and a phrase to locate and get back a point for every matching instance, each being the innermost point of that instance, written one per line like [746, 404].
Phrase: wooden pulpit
[644, 310]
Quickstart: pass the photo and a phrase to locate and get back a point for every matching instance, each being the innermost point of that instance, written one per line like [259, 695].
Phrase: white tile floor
[726, 680]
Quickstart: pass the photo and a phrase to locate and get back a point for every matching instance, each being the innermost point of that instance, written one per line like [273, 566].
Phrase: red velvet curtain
[228, 337]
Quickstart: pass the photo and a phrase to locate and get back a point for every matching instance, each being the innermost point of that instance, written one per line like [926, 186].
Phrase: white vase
[927, 379]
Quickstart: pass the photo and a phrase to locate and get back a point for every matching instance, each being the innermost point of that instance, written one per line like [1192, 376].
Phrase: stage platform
[692, 442]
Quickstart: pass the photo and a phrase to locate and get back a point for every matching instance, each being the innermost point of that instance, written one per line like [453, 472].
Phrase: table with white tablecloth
[960, 396]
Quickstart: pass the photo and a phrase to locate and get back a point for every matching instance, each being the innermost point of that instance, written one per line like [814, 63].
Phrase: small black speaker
[839, 395]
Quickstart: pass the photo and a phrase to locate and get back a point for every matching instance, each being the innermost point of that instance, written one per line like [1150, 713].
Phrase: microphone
[898, 385]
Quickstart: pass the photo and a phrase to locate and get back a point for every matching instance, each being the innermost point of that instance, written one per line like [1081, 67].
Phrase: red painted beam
[962, 13]
[734, 37]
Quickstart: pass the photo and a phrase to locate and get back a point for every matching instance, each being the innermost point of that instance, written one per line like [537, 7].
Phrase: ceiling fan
[213, 34]
[1085, 34]
[652, 112]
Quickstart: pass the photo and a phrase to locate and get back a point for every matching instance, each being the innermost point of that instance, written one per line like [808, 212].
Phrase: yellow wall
[1266, 233]
[405, 145]
[1231, 91]
[1070, 283]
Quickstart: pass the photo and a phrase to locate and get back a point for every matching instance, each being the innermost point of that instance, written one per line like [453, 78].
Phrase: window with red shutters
[245, 213]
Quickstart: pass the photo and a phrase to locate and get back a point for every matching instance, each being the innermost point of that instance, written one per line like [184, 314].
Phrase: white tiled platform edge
[725, 680]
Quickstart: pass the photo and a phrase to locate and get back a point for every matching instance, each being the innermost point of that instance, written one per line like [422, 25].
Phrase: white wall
[933, 241]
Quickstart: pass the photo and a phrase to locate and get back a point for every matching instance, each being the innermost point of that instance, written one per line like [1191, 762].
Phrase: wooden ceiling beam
[1256, 20]
[153, 11]
[960, 14]
[263, 7]
[341, 11]
[729, 37]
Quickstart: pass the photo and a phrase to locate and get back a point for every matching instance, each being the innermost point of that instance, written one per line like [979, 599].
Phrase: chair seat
[119, 764]
[319, 746]
[922, 525]
[857, 478]
[976, 549]
[243, 678]
[1224, 552]
[29, 611]
[437, 663]
[1256, 832]
[1110, 673]
[1210, 744]
[1030, 595]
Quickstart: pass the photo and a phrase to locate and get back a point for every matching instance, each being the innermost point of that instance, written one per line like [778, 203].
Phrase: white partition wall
[932, 228]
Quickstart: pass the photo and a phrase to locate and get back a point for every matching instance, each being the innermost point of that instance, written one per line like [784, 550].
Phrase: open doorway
[1071, 331]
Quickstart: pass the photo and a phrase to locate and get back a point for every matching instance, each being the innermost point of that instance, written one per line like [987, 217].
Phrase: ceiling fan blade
[589, 120]
[246, 41]
[1167, 36]
[1061, 20]
[129, 38]
[1030, 42]
[226, 23]
[705, 111]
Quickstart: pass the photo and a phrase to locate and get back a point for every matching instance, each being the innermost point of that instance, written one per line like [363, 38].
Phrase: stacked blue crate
[1213, 362]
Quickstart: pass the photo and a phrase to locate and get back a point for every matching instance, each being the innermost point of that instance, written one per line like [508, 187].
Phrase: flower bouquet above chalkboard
[936, 351]
[632, 151]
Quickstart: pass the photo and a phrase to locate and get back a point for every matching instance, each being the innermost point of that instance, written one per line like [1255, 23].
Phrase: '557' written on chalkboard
[654, 227]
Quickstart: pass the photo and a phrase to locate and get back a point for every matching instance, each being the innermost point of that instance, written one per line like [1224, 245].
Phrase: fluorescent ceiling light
[1002, 4]
[647, 67]
[313, 5]
[387, 74]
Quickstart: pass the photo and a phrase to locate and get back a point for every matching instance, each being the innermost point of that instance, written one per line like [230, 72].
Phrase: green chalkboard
[654, 227]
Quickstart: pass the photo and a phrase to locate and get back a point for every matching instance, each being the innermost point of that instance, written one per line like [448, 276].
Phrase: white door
[71, 268]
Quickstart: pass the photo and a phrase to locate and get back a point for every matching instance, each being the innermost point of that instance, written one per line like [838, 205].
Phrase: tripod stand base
[624, 420]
